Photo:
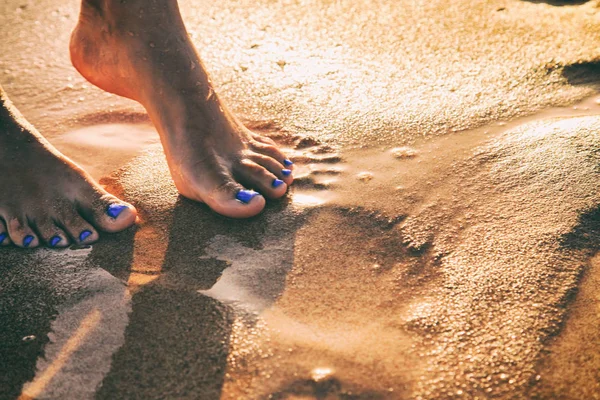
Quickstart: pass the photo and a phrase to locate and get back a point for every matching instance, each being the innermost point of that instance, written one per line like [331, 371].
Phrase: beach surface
[439, 241]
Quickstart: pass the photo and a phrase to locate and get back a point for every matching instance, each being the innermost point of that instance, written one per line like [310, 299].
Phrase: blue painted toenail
[55, 240]
[286, 172]
[277, 183]
[246, 195]
[27, 240]
[114, 210]
[287, 162]
[84, 235]
[3, 236]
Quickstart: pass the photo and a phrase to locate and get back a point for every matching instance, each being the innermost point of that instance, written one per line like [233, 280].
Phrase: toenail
[27, 240]
[55, 240]
[277, 183]
[246, 195]
[84, 235]
[286, 172]
[114, 210]
[287, 162]
[3, 236]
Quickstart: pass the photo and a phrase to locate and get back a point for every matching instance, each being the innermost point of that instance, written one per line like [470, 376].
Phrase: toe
[4, 238]
[263, 139]
[21, 233]
[78, 228]
[273, 166]
[231, 199]
[270, 151]
[256, 176]
[109, 213]
[52, 235]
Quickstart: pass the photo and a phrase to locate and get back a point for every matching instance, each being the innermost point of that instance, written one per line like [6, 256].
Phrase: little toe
[108, 213]
[273, 166]
[21, 233]
[269, 150]
[52, 234]
[4, 238]
[256, 176]
[263, 139]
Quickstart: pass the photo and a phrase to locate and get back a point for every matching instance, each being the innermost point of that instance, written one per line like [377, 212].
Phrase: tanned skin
[137, 49]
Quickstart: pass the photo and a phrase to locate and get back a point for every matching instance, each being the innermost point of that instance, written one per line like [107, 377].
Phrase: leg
[141, 50]
[46, 198]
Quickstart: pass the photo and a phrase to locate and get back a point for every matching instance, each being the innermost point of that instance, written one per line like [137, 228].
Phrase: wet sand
[439, 241]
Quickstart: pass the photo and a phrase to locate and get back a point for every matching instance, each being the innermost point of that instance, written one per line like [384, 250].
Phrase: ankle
[130, 15]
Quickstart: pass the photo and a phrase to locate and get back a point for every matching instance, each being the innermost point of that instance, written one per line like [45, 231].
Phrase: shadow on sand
[583, 73]
[586, 234]
[559, 3]
[27, 308]
[177, 339]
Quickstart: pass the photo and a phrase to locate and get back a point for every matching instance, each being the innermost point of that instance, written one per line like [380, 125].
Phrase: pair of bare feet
[138, 49]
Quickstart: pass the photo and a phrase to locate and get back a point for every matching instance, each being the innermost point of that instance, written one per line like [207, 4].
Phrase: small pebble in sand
[403, 152]
[319, 374]
[376, 267]
[365, 176]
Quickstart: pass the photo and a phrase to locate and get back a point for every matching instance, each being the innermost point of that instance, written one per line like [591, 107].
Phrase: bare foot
[141, 50]
[46, 198]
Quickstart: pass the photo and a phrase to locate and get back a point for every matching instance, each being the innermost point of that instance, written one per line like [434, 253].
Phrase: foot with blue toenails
[213, 158]
[47, 199]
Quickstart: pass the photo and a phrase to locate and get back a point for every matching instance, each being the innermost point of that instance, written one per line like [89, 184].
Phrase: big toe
[235, 201]
[108, 213]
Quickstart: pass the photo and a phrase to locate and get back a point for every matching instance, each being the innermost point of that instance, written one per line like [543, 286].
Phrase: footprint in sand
[315, 163]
